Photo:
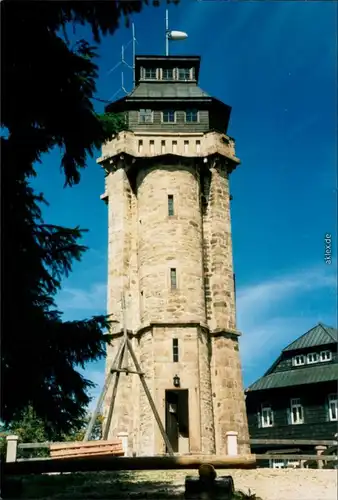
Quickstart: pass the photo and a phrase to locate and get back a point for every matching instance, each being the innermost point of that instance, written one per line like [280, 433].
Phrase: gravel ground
[267, 484]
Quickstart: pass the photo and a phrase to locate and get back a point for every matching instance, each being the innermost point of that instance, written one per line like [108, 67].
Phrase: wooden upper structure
[167, 92]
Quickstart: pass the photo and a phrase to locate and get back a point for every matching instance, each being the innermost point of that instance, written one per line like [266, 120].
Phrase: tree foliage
[48, 86]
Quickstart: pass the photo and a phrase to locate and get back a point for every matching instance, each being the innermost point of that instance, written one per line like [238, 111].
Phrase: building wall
[144, 244]
[179, 126]
[286, 361]
[166, 242]
[314, 400]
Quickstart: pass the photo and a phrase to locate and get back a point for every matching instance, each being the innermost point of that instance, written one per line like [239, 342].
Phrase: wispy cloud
[274, 312]
[92, 299]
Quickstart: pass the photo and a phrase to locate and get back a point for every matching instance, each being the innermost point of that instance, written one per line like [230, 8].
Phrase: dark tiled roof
[299, 376]
[317, 336]
[151, 90]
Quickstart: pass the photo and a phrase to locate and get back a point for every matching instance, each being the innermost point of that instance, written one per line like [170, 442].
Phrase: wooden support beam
[116, 383]
[299, 442]
[277, 456]
[150, 399]
[126, 370]
[102, 395]
[109, 463]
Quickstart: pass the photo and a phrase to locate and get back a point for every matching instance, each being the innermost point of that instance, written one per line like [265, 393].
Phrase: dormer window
[299, 360]
[167, 74]
[184, 74]
[150, 73]
[191, 115]
[312, 357]
[168, 116]
[325, 356]
[145, 116]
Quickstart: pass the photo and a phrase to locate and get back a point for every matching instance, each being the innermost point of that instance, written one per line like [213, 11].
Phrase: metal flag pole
[166, 32]
[134, 50]
[171, 35]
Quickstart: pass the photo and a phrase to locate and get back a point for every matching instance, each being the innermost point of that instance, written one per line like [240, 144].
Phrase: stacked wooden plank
[87, 448]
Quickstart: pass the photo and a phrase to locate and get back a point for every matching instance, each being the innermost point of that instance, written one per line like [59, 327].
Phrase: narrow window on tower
[173, 279]
[152, 147]
[186, 147]
[163, 147]
[174, 147]
[140, 146]
[175, 350]
[198, 146]
[170, 205]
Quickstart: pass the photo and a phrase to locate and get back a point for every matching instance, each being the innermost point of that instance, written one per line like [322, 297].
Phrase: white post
[123, 436]
[232, 445]
[320, 450]
[134, 50]
[166, 33]
[12, 447]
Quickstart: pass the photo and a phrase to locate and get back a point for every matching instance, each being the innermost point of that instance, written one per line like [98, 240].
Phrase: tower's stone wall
[145, 242]
[166, 242]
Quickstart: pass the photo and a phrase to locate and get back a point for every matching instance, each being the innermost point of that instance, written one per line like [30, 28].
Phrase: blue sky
[275, 64]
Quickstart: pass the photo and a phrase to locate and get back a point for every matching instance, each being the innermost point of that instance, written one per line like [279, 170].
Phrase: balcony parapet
[189, 145]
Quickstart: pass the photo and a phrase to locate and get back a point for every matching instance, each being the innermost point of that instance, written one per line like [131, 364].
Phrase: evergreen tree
[48, 88]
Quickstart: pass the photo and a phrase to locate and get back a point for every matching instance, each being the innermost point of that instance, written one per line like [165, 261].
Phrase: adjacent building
[297, 397]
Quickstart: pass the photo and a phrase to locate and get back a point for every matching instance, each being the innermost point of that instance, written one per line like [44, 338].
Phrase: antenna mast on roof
[124, 63]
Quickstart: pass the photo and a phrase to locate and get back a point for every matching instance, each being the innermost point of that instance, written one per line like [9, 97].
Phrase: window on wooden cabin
[298, 360]
[191, 116]
[168, 116]
[167, 74]
[296, 412]
[184, 74]
[325, 356]
[333, 407]
[150, 73]
[312, 357]
[175, 350]
[266, 416]
[145, 116]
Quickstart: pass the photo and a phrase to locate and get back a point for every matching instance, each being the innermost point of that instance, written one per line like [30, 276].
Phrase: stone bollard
[232, 444]
[320, 450]
[208, 486]
[123, 436]
[12, 448]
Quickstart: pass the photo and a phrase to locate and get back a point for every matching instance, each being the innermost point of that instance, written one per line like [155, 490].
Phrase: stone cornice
[218, 332]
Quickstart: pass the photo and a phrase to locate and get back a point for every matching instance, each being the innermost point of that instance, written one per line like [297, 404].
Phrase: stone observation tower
[170, 256]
